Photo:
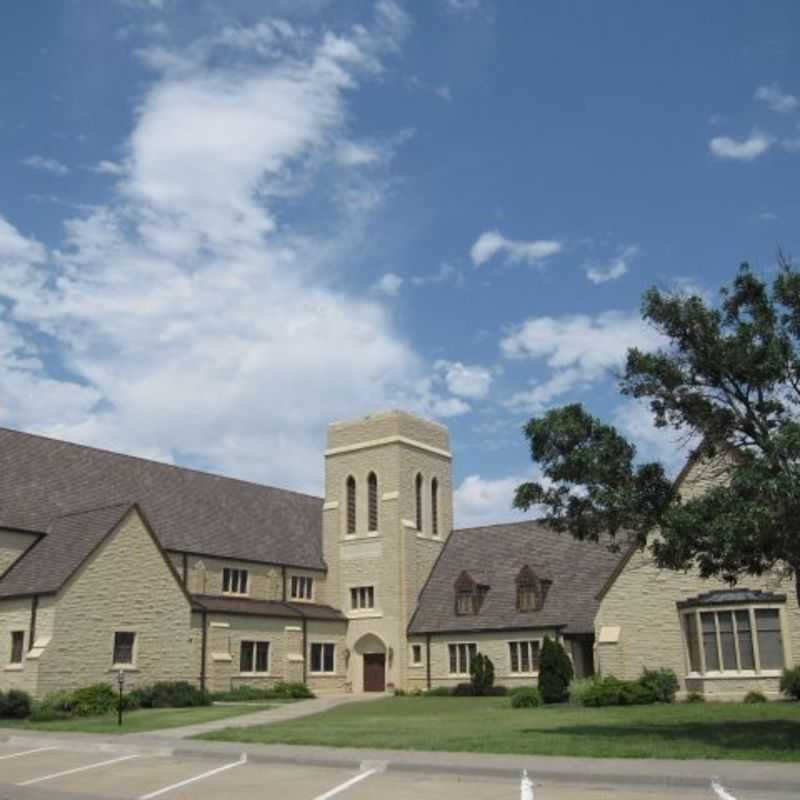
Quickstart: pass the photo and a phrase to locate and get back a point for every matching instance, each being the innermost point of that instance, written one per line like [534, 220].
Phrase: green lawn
[146, 719]
[768, 732]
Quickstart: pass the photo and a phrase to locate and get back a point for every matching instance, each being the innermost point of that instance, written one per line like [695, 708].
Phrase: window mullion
[701, 641]
[754, 639]
[720, 655]
[736, 641]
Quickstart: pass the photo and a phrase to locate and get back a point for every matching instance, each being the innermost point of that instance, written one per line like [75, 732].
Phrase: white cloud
[444, 92]
[578, 350]
[446, 272]
[449, 407]
[740, 149]
[614, 269]
[463, 7]
[354, 154]
[493, 243]
[44, 164]
[388, 284]
[464, 380]
[486, 501]
[196, 325]
[776, 99]
[108, 168]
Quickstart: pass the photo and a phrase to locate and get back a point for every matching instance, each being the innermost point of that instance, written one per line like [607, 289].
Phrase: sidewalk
[280, 713]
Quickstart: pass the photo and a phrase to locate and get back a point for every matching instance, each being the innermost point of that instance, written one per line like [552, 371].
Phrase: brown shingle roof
[497, 553]
[70, 539]
[265, 608]
[42, 479]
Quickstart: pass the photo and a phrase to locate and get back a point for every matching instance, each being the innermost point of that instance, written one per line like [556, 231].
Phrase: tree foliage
[555, 672]
[728, 378]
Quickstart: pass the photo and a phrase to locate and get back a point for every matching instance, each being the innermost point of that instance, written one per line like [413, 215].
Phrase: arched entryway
[373, 657]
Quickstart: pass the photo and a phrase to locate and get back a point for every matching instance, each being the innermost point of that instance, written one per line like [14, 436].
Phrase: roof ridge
[500, 525]
[160, 463]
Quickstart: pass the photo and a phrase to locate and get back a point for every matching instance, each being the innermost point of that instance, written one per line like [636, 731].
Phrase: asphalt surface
[39, 767]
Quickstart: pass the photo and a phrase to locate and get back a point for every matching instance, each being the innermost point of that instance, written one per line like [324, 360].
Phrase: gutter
[34, 609]
[428, 659]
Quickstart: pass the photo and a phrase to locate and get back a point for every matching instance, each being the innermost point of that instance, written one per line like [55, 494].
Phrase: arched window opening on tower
[418, 494]
[372, 502]
[351, 504]
[435, 507]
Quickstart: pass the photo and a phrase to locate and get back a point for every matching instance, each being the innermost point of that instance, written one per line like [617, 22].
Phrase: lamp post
[121, 685]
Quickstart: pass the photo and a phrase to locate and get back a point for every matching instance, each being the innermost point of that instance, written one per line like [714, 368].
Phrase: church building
[110, 562]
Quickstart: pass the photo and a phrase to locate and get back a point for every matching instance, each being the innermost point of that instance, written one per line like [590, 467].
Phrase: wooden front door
[374, 672]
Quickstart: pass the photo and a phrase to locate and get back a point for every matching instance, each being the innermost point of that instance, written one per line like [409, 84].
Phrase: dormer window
[531, 591]
[234, 581]
[469, 595]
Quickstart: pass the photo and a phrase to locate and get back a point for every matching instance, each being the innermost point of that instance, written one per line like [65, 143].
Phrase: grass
[765, 732]
[146, 719]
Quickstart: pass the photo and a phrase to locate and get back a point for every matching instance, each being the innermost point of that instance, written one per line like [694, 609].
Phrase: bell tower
[388, 511]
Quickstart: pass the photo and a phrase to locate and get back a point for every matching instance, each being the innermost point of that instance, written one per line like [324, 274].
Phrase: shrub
[555, 672]
[755, 697]
[790, 683]
[495, 691]
[15, 704]
[526, 697]
[95, 700]
[416, 692]
[481, 673]
[438, 691]
[399, 692]
[463, 690]
[695, 697]
[170, 694]
[662, 683]
[243, 694]
[578, 688]
[292, 690]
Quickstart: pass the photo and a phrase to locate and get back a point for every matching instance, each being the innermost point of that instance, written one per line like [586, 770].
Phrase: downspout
[34, 609]
[283, 580]
[203, 644]
[185, 569]
[305, 649]
[428, 659]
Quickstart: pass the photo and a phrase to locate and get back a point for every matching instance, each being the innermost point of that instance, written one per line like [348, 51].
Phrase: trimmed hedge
[754, 697]
[526, 697]
[654, 686]
[169, 694]
[280, 691]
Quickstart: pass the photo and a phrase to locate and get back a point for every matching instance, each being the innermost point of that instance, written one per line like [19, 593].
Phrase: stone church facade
[109, 562]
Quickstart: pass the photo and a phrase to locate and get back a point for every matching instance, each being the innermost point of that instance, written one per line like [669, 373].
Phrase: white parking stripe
[159, 792]
[28, 752]
[77, 769]
[347, 784]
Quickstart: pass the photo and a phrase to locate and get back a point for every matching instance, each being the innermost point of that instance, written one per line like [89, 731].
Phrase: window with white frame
[234, 581]
[302, 587]
[524, 656]
[461, 654]
[362, 598]
[416, 655]
[17, 646]
[738, 639]
[254, 657]
[323, 657]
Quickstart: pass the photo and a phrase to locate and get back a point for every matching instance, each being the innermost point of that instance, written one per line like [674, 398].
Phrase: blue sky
[224, 225]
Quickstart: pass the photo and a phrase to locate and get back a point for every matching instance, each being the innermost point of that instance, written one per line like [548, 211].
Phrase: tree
[481, 673]
[727, 377]
[555, 672]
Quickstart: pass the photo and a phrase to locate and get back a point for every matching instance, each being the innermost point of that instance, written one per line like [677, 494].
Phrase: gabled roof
[498, 553]
[46, 567]
[42, 479]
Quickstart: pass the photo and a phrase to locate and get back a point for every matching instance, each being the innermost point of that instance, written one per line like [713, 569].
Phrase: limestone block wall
[124, 586]
[642, 604]
[385, 425]
[15, 615]
[12, 545]
[205, 573]
[336, 633]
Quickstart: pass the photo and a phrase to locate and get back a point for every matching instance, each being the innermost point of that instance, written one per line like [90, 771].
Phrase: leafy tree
[728, 377]
[555, 672]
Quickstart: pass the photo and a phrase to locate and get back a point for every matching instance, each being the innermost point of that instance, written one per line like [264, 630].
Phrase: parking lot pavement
[58, 772]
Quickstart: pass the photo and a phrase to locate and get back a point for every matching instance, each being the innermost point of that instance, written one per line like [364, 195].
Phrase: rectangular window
[770, 643]
[302, 587]
[254, 657]
[17, 646]
[323, 657]
[362, 597]
[524, 656]
[123, 647]
[416, 654]
[460, 657]
[692, 643]
[234, 581]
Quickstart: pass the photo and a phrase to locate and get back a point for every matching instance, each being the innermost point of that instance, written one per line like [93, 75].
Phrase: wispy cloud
[615, 268]
[388, 284]
[464, 380]
[776, 99]
[444, 274]
[44, 164]
[493, 243]
[108, 168]
[740, 149]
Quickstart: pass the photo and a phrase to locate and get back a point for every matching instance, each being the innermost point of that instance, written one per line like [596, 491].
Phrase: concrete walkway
[281, 713]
